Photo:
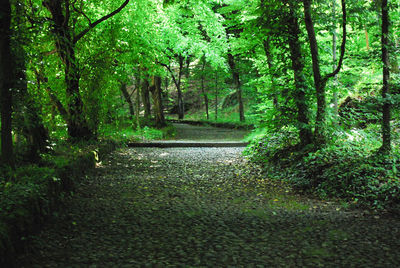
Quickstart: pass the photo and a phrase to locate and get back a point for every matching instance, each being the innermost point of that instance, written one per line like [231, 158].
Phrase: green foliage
[348, 168]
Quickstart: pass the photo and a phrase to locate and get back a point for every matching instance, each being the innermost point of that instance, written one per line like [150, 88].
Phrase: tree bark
[6, 80]
[216, 96]
[203, 90]
[27, 111]
[334, 58]
[319, 81]
[181, 111]
[146, 98]
[297, 59]
[78, 127]
[236, 80]
[138, 88]
[128, 99]
[267, 50]
[366, 37]
[386, 115]
[65, 41]
[155, 89]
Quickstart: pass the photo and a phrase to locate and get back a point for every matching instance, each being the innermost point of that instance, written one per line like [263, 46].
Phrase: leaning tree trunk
[128, 100]
[6, 84]
[236, 80]
[157, 102]
[386, 115]
[297, 59]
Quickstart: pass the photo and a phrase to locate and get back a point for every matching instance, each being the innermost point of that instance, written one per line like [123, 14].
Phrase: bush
[348, 168]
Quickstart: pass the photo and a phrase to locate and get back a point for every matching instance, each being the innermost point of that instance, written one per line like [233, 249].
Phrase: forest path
[186, 132]
[203, 207]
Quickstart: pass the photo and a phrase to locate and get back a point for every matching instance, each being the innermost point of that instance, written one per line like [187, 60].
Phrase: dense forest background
[319, 81]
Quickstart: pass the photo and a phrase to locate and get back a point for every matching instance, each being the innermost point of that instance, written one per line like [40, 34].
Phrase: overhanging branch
[94, 24]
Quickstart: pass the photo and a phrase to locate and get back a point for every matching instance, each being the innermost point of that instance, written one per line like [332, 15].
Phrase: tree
[156, 89]
[319, 80]
[27, 118]
[65, 39]
[386, 114]
[6, 80]
[297, 59]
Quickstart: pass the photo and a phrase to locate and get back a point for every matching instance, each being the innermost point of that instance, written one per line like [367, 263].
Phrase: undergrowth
[349, 167]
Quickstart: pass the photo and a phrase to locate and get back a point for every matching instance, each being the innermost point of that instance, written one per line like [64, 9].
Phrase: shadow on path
[203, 207]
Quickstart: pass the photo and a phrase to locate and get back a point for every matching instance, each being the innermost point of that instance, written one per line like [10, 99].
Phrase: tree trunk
[203, 90]
[157, 102]
[128, 99]
[319, 81]
[297, 59]
[27, 111]
[386, 116]
[146, 98]
[78, 127]
[138, 87]
[181, 112]
[6, 80]
[334, 58]
[366, 37]
[319, 134]
[267, 51]
[216, 96]
[236, 80]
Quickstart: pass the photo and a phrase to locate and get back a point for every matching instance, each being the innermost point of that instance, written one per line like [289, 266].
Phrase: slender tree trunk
[127, 97]
[267, 50]
[386, 129]
[319, 81]
[236, 80]
[203, 90]
[320, 137]
[181, 112]
[366, 37]
[334, 57]
[216, 96]
[138, 83]
[6, 84]
[297, 59]
[157, 102]
[138, 88]
[146, 98]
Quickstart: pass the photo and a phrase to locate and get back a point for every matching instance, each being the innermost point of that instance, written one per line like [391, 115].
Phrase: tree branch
[94, 24]
[63, 112]
[343, 46]
[171, 72]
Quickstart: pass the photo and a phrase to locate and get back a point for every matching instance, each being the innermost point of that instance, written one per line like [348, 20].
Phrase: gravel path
[192, 207]
[207, 133]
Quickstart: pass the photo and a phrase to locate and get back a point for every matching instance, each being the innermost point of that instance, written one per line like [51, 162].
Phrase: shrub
[349, 168]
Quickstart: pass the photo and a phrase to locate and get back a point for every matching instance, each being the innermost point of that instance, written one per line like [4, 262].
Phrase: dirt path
[204, 207]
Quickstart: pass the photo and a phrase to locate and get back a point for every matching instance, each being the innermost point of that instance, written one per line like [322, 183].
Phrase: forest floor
[204, 207]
